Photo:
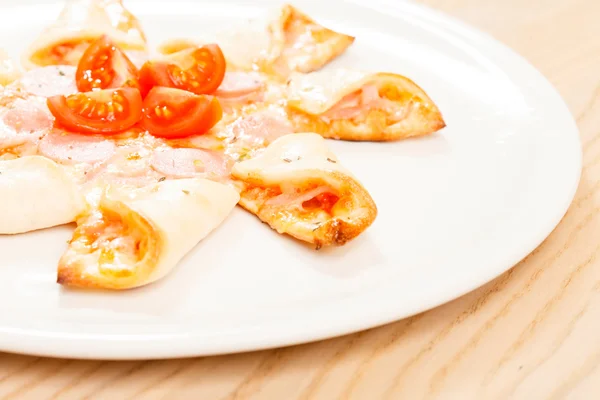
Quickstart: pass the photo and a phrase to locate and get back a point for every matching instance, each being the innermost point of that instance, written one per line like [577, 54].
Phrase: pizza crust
[312, 95]
[37, 193]
[154, 228]
[8, 70]
[80, 23]
[279, 42]
[291, 168]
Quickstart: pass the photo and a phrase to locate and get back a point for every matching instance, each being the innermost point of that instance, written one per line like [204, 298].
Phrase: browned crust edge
[338, 230]
[335, 42]
[423, 120]
[73, 274]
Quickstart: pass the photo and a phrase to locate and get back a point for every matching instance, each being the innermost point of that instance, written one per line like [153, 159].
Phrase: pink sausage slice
[260, 129]
[187, 163]
[28, 116]
[49, 81]
[71, 148]
[239, 84]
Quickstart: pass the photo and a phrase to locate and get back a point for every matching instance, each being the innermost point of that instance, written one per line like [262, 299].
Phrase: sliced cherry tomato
[174, 113]
[105, 111]
[153, 74]
[198, 70]
[103, 66]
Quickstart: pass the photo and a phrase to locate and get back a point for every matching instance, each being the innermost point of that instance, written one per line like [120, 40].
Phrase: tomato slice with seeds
[199, 70]
[103, 66]
[174, 113]
[105, 111]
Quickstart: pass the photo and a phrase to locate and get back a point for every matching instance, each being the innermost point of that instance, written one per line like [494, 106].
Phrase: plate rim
[162, 346]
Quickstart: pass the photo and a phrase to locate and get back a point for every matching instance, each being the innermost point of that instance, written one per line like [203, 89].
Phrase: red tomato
[174, 113]
[198, 70]
[105, 111]
[103, 66]
[323, 201]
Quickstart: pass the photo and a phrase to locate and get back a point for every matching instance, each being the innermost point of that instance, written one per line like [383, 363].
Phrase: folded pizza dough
[355, 105]
[281, 41]
[132, 239]
[79, 24]
[8, 70]
[298, 187]
[36, 193]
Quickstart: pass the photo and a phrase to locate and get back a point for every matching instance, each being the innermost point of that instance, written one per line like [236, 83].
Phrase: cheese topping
[348, 94]
[319, 91]
[104, 241]
[279, 41]
[359, 103]
[291, 157]
[8, 70]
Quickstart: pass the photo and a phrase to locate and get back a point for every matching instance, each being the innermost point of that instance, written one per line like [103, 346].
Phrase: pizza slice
[37, 193]
[79, 24]
[298, 187]
[283, 40]
[355, 105]
[134, 238]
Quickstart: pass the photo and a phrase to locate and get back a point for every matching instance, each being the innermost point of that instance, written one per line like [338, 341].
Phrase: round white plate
[456, 209]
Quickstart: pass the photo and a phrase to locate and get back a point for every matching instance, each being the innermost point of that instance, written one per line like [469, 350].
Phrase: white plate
[456, 209]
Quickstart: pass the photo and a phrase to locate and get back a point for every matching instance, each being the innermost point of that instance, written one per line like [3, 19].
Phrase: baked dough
[282, 41]
[135, 238]
[8, 69]
[356, 105]
[80, 23]
[298, 187]
[36, 193]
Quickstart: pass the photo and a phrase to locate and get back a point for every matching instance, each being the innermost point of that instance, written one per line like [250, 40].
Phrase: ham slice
[10, 139]
[70, 148]
[129, 162]
[204, 142]
[259, 129]
[188, 163]
[356, 104]
[49, 81]
[240, 88]
[28, 116]
[22, 124]
[237, 84]
[240, 100]
[296, 199]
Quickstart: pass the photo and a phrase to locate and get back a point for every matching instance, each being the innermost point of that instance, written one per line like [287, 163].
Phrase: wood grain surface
[533, 333]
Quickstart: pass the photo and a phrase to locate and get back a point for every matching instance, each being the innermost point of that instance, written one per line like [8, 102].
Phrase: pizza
[358, 105]
[135, 237]
[281, 41]
[299, 187]
[149, 149]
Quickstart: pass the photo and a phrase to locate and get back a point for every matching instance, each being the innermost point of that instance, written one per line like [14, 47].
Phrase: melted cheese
[137, 237]
[277, 42]
[106, 246]
[243, 45]
[353, 105]
[36, 193]
[298, 187]
[291, 157]
[317, 92]
[8, 70]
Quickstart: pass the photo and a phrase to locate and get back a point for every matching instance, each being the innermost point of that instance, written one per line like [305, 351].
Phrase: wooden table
[533, 333]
